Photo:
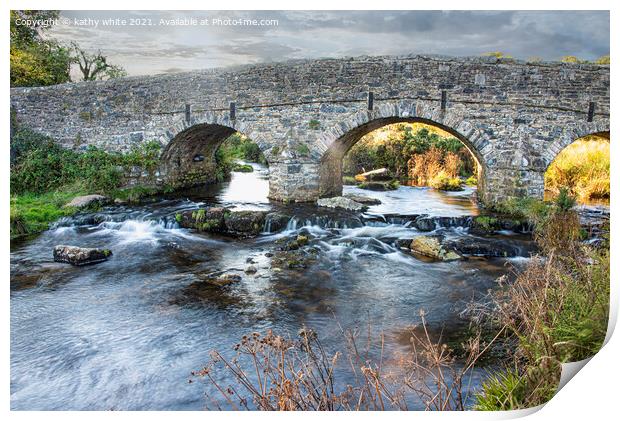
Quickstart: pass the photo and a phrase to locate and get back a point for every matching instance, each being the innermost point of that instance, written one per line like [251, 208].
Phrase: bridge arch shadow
[189, 159]
[330, 176]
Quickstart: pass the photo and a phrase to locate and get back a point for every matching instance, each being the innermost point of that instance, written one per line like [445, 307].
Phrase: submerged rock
[223, 280]
[364, 200]
[80, 256]
[431, 223]
[340, 202]
[431, 246]
[88, 200]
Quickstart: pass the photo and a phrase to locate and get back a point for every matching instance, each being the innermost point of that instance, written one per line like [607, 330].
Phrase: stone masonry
[514, 116]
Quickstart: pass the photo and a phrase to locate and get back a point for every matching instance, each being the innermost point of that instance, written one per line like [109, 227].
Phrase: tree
[96, 66]
[36, 61]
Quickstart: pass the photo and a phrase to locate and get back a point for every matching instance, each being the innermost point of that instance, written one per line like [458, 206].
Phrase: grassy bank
[556, 311]
[45, 177]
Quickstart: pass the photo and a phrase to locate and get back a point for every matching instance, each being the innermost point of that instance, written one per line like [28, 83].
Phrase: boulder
[364, 200]
[431, 246]
[80, 256]
[251, 269]
[484, 247]
[87, 201]
[247, 223]
[276, 221]
[340, 202]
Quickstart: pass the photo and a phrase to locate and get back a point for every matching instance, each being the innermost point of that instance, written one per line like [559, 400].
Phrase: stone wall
[514, 116]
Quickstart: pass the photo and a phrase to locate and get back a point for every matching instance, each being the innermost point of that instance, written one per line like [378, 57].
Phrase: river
[126, 334]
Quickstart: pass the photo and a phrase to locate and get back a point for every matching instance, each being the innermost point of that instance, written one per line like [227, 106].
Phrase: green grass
[583, 167]
[32, 213]
[503, 391]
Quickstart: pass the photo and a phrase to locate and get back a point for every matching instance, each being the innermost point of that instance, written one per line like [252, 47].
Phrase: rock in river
[88, 200]
[79, 256]
[431, 246]
[340, 202]
[223, 280]
[247, 223]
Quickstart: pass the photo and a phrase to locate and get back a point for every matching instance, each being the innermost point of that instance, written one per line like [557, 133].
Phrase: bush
[242, 168]
[347, 180]
[443, 181]
[472, 181]
[41, 165]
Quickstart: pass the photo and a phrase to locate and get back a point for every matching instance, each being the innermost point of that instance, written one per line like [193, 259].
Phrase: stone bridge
[513, 116]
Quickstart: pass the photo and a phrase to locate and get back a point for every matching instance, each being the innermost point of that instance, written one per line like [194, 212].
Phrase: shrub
[41, 165]
[349, 181]
[472, 181]
[442, 181]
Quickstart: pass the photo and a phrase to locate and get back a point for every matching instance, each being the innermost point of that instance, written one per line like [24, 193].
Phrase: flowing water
[127, 333]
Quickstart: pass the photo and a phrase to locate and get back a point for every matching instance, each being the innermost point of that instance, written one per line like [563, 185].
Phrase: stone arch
[570, 134]
[338, 140]
[188, 159]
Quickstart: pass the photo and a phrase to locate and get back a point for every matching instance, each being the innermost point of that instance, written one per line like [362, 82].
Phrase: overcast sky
[166, 47]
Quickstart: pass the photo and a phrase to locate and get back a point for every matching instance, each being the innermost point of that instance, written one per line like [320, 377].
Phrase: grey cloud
[313, 34]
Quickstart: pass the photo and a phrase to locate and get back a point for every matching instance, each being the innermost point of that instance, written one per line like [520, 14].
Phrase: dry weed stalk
[283, 374]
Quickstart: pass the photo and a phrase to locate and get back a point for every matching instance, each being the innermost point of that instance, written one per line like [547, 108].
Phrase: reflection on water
[242, 191]
[126, 333]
